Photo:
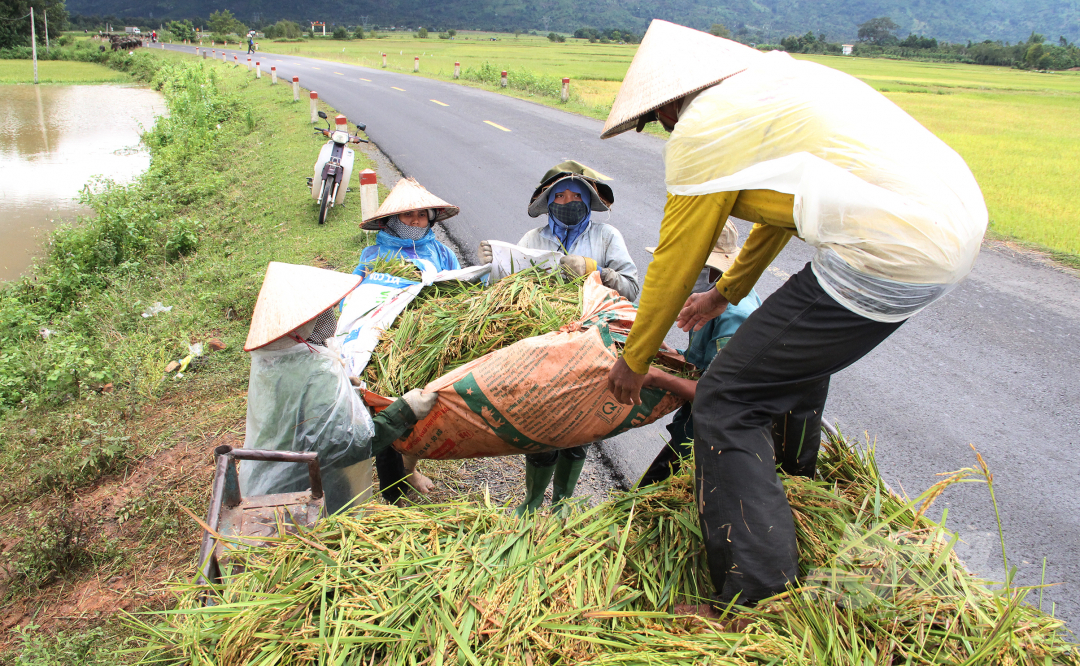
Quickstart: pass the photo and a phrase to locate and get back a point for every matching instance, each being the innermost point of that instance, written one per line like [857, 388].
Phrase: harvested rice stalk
[448, 326]
[462, 583]
[395, 266]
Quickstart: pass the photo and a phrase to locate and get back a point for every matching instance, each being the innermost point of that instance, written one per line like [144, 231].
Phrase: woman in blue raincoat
[405, 223]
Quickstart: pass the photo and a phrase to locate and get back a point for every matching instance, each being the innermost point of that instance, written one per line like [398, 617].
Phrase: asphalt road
[995, 364]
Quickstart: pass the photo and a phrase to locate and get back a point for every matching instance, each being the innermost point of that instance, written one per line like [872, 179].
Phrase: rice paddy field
[1019, 131]
[59, 71]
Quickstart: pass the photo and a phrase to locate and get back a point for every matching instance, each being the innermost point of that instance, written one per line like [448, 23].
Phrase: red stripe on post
[296, 79]
[566, 80]
[367, 177]
[314, 95]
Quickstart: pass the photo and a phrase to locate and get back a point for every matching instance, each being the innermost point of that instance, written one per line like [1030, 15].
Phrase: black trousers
[758, 407]
[668, 462]
[391, 470]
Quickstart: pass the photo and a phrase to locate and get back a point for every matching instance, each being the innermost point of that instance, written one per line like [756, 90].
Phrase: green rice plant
[395, 266]
[470, 583]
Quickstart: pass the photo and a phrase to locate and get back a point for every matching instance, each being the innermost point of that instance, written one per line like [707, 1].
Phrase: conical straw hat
[726, 250]
[291, 296]
[672, 61]
[409, 195]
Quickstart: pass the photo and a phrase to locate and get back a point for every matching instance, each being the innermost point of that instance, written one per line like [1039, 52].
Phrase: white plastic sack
[300, 399]
[507, 259]
[872, 186]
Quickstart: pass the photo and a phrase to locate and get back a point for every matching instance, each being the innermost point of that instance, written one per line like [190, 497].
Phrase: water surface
[53, 140]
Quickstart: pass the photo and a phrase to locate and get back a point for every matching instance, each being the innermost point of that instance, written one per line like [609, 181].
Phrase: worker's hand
[700, 309]
[577, 265]
[625, 384]
[420, 402]
[610, 278]
[485, 253]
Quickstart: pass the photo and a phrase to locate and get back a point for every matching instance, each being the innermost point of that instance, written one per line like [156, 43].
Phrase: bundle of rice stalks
[450, 325]
[395, 266]
[468, 584]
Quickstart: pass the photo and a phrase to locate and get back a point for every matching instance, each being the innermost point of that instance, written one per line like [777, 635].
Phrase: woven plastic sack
[539, 394]
[895, 213]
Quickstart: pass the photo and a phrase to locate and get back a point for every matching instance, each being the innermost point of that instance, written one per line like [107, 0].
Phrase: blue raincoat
[714, 335]
[428, 248]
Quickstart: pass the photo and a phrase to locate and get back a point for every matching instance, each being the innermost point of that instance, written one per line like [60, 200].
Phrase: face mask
[402, 230]
[569, 213]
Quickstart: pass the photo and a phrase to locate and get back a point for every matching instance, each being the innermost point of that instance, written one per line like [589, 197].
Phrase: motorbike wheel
[327, 192]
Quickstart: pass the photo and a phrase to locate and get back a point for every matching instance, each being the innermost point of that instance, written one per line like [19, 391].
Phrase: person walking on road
[251, 44]
[570, 193]
[798, 149]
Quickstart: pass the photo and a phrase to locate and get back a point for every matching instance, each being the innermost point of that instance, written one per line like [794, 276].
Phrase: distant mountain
[761, 20]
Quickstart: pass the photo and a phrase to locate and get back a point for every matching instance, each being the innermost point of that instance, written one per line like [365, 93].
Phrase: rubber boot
[536, 483]
[567, 472]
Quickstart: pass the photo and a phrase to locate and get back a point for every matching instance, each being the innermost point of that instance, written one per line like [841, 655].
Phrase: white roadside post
[249, 64]
[258, 70]
[273, 76]
[384, 61]
[236, 61]
[204, 54]
[33, 43]
[457, 70]
[502, 82]
[565, 89]
[341, 123]
[296, 88]
[369, 194]
[314, 106]
[416, 64]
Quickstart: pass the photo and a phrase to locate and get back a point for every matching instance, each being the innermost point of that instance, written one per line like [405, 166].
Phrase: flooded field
[53, 140]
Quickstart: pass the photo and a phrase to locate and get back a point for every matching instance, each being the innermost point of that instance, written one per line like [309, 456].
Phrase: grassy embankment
[59, 71]
[1018, 130]
[101, 447]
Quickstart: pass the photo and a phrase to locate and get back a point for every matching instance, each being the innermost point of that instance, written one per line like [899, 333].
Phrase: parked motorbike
[334, 167]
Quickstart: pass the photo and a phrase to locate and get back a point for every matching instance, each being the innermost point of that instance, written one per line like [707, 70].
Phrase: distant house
[848, 48]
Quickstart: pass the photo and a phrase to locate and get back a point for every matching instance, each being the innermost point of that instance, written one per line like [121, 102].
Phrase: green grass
[1017, 130]
[575, 58]
[59, 71]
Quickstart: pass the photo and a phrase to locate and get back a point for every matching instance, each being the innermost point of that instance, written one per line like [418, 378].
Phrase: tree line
[877, 38]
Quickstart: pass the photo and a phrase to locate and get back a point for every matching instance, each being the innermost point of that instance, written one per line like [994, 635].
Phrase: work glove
[485, 252]
[420, 402]
[610, 278]
[575, 264]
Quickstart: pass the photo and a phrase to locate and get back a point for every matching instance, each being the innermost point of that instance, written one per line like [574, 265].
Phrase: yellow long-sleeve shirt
[688, 233]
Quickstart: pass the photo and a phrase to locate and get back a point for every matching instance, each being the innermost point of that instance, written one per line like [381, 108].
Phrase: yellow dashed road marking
[363, 79]
[439, 103]
[396, 88]
[316, 67]
[339, 73]
[496, 126]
